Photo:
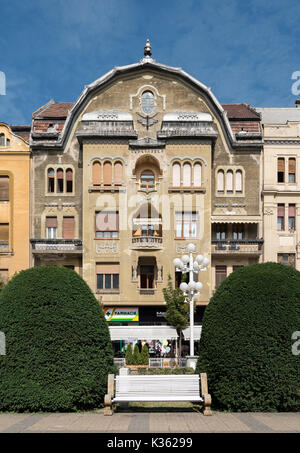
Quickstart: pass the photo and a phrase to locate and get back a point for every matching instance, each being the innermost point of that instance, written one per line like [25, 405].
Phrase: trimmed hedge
[58, 345]
[246, 345]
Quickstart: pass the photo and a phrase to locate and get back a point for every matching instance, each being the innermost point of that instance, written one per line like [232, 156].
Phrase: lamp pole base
[192, 361]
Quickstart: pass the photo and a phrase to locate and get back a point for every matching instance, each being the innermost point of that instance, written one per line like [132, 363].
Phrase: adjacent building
[14, 200]
[281, 184]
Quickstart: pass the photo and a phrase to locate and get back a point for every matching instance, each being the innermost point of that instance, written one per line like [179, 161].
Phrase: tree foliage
[177, 312]
[129, 355]
[246, 341]
[58, 345]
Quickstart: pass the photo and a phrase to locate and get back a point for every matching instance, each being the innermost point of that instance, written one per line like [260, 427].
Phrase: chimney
[297, 102]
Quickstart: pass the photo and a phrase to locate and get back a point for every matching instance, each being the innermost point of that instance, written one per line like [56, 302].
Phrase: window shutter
[187, 175]
[108, 268]
[197, 175]
[292, 165]
[176, 175]
[107, 174]
[292, 210]
[221, 273]
[51, 222]
[229, 181]
[118, 177]
[107, 221]
[96, 174]
[4, 232]
[280, 210]
[220, 181]
[238, 181]
[280, 164]
[68, 227]
[69, 175]
[4, 188]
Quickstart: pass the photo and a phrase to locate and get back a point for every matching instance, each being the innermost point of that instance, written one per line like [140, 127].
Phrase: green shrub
[144, 355]
[165, 370]
[246, 346]
[58, 345]
[129, 355]
[136, 360]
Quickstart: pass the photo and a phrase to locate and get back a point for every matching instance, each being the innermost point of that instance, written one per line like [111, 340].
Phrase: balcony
[147, 242]
[69, 246]
[240, 247]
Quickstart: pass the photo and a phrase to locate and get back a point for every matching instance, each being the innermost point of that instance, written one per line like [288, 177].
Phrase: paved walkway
[146, 422]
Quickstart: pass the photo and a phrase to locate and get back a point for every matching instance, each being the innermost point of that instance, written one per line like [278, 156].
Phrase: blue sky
[246, 51]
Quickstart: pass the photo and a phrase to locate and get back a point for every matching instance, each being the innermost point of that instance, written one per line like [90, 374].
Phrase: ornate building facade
[144, 162]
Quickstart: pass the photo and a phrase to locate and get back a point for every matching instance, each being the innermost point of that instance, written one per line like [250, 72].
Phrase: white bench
[183, 387]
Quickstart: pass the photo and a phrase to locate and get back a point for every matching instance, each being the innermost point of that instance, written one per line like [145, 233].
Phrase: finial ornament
[148, 49]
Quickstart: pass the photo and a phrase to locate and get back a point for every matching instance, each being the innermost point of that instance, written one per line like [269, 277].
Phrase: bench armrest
[206, 396]
[108, 409]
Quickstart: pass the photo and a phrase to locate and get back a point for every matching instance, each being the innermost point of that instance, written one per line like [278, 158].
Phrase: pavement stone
[151, 422]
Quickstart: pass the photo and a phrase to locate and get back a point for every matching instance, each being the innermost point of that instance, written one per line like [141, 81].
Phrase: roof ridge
[44, 107]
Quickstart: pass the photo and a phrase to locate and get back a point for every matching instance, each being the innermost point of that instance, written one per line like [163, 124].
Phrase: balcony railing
[56, 245]
[243, 246]
[147, 242]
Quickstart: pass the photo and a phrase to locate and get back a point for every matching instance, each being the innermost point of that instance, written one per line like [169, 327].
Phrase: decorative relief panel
[182, 248]
[107, 248]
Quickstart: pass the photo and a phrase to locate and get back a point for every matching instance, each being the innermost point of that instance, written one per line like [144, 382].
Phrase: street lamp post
[187, 264]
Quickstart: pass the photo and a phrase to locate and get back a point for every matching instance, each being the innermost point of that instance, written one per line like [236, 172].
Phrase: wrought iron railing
[237, 246]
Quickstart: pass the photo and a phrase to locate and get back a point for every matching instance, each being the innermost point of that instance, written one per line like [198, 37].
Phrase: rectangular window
[4, 236]
[286, 258]
[186, 225]
[147, 277]
[4, 275]
[221, 232]
[68, 227]
[292, 170]
[280, 169]
[51, 227]
[107, 225]
[235, 268]
[237, 232]
[292, 218]
[108, 276]
[221, 274]
[4, 188]
[280, 217]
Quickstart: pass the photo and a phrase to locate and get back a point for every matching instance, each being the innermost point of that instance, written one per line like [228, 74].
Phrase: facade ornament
[148, 49]
[159, 274]
[146, 121]
[134, 274]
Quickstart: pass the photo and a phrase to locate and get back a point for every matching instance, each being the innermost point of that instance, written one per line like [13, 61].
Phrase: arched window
[187, 175]
[107, 174]
[197, 175]
[238, 182]
[2, 140]
[118, 174]
[69, 180]
[220, 185]
[60, 180]
[229, 181]
[147, 179]
[51, 186]
[147, 102]
[96, 174]
[176, 175]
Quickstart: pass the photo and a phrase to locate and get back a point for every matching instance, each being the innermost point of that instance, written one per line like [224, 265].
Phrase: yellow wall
[15, 162]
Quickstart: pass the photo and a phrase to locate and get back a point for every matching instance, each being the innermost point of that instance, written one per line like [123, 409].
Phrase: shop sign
[121, 314]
